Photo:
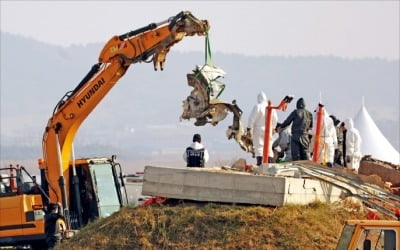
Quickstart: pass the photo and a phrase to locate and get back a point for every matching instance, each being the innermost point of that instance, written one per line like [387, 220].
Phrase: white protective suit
[353, 145]
[257, 125]
[328, 141]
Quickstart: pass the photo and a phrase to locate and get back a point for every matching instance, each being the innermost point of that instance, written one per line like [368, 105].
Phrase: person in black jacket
[302, 121]
[344, 131]
[196, 155]
[339, 134]
[52, 226]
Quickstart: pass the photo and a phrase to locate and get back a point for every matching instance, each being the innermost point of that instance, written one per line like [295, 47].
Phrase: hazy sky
[342, 28]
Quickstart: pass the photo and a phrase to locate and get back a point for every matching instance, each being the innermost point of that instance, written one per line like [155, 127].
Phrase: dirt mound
[217, 226]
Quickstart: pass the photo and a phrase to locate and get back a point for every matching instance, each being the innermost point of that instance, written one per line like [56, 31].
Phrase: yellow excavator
[86, 188]
[94, 187]
[370, 234]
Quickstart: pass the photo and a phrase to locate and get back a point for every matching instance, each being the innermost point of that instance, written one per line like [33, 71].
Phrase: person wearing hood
[196, 155]
[353, 145]
[302, 121]
[256, 126]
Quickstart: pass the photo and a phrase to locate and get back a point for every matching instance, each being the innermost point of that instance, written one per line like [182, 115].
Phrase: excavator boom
[94, 187]
[150, 43]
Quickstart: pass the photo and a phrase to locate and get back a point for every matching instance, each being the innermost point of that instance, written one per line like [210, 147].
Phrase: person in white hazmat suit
[328, 140]
[353, 145]
[256, 126]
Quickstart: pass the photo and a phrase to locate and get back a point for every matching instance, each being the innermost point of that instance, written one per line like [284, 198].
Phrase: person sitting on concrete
[281, 145]
[196, 155]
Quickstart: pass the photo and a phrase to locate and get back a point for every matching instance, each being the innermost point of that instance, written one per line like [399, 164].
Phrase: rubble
[388, 173]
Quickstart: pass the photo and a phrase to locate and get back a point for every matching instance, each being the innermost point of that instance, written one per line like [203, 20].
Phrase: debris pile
[390, 173]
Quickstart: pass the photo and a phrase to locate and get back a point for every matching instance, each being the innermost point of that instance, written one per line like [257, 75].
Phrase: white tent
[374, 143]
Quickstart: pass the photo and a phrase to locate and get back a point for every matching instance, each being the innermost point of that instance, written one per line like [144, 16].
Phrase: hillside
[218, 226]
[139, 119]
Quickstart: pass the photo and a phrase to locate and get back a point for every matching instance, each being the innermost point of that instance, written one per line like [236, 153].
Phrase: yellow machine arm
[148, 43]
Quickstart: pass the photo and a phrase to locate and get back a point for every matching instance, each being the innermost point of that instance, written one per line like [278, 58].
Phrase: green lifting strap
[220, 92]
[208, 50]
[208, 61]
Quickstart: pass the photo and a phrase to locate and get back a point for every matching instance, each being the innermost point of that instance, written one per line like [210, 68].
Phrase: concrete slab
[305, 191]
[202, 184]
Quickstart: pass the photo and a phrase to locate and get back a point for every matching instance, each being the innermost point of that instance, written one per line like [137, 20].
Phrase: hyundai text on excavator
[86, 188]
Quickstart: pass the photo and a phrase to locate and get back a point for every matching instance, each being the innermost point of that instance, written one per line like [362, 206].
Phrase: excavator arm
[151, 42]
[154, 40]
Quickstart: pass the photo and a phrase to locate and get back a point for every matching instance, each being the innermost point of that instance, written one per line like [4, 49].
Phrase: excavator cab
[96, 190]
[21, 209]
[370, 234]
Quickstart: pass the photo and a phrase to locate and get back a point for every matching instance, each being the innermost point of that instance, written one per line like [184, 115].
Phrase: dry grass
[217, 226]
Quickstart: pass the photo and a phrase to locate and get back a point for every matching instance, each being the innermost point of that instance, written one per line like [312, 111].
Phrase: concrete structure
[202, 184]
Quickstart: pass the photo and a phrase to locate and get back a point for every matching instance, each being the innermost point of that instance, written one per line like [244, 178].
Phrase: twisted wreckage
[204, 104]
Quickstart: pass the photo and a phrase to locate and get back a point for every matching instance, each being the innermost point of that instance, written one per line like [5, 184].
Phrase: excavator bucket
[203, 104]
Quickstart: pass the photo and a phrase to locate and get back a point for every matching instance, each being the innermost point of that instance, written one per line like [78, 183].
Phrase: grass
[217, 226]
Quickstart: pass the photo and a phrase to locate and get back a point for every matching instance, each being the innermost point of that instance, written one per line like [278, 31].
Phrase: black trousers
[339, 157]
[299, 151]
[260, 160]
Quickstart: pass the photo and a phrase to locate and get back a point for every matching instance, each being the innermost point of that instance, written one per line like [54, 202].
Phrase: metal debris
[203, 104]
